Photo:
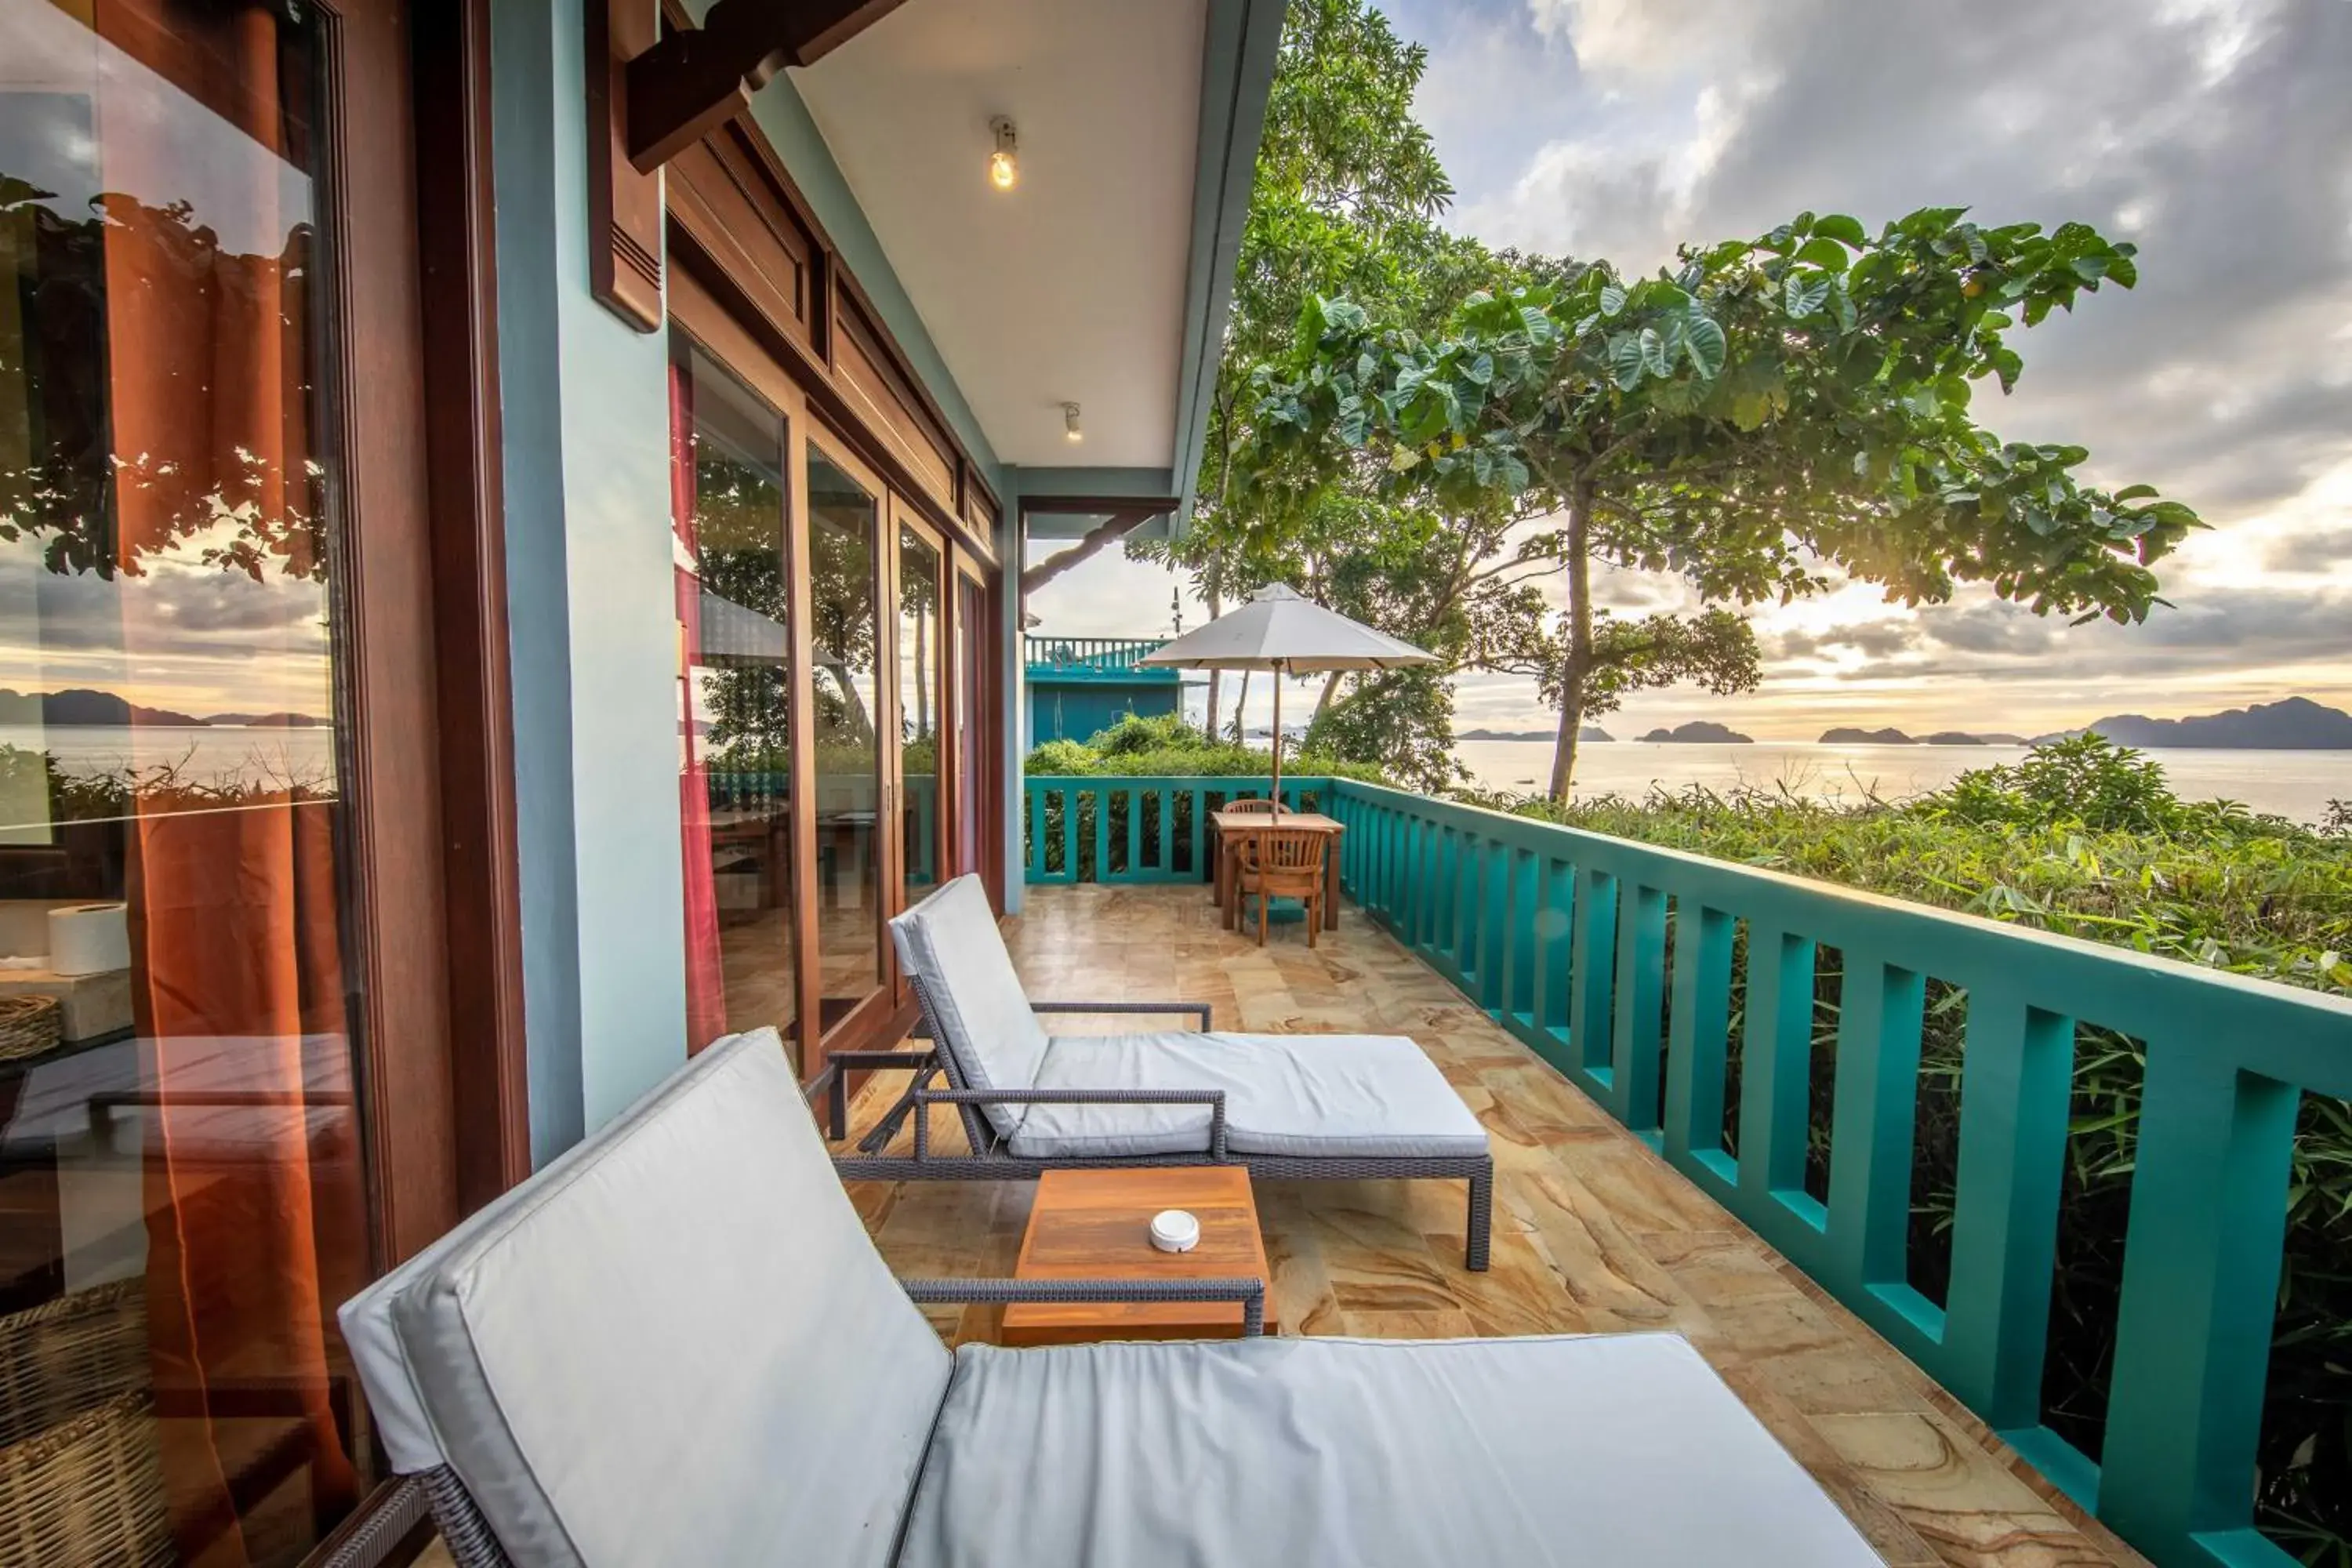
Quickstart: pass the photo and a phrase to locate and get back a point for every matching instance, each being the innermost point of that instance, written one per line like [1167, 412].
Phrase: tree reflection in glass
[919, 709]
[845, 607]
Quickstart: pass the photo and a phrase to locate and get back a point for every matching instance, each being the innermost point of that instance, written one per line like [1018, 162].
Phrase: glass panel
[976, 814]
[845, 605]
[735, 757]
[919, 709]
[183, 1191]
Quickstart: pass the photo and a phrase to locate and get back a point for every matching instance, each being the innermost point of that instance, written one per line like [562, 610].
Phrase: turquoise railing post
[1555, 936]
[1775, 1062]
[1876, 1102]
[1640, 982]
[2200, 1292]
[1699, 1044]
[1493, 927]
[1592, 971]
[1519, 939]
[2016, 1077]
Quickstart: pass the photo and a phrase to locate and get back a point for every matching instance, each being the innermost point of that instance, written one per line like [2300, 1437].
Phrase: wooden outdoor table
[1233, 825]
[1096, 1225]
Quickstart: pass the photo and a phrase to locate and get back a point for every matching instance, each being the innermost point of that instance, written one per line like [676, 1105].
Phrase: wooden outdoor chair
[1284, 863]
[1217, 847]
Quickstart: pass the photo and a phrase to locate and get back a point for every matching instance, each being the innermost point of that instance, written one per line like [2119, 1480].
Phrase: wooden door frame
[967, 798]
[457, 248]
[386, 639]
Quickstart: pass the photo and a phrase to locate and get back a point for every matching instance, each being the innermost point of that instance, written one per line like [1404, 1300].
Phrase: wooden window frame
[441, 1048]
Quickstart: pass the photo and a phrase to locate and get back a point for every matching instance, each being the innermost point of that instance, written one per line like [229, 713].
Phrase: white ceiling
[1069, 287]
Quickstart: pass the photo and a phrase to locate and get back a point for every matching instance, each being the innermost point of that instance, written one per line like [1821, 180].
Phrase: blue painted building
[1078, 687]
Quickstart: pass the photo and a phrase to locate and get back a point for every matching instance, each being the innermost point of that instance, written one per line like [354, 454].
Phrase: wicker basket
[88, 1493]
[70, 1355]
[29, 1024]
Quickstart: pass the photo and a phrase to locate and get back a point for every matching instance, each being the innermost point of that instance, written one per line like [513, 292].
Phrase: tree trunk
[1240, 706]
[1331, 690]
[1216, 608]
[1578, 664]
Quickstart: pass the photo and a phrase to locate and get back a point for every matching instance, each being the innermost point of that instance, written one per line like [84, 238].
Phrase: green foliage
[1715, 650]
[1135, 735]
[1347, 196]
[2085, 838]
[2091, 782]
[1771, 412]
[1058, 759]
[1401, 721]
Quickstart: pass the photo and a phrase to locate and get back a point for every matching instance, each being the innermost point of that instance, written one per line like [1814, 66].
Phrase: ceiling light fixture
[1070, 426]
[1005, 164]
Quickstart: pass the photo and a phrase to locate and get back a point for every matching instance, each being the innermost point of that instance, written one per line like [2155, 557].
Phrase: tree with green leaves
[1348, 189]
[1767, 417]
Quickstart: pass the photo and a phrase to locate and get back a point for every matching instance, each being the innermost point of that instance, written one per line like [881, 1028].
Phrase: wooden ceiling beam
[1108, 531]
[698, 78]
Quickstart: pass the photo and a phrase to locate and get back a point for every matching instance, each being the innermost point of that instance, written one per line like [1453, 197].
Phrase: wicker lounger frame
[990, 1161]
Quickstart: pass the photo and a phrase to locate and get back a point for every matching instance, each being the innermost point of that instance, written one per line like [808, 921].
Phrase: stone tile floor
[1593, 1232]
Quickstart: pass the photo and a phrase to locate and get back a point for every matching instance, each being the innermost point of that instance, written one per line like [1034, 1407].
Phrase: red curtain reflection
[706, 983]
[254, 1182]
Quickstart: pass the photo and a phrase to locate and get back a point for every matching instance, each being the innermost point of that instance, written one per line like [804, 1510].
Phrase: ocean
[2295, 784]
[210, 753]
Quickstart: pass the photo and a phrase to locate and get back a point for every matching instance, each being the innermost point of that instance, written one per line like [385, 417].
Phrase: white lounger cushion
[1623, 1450]
[950, 941]
[1311, 1095]
[675, 1344]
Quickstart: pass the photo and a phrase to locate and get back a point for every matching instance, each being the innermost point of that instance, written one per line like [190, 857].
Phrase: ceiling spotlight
[1005, 164]
[1071, 428]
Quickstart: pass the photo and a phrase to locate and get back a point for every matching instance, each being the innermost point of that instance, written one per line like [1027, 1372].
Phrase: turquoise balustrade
[1092, 830]
[1563, 936]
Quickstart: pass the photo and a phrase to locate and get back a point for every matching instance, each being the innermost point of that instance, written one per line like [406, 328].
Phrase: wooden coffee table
[1095, 1224]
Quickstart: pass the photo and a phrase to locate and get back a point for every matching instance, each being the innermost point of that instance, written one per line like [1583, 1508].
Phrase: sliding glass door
[836, 684]
[846, 626]
[923, 626]
[730, 507]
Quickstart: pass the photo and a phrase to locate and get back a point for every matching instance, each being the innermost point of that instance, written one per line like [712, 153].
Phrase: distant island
[2294, 724]
[1588, 733]
[79, 707]
[1891, 736]
[267, 720]
[1701, 731]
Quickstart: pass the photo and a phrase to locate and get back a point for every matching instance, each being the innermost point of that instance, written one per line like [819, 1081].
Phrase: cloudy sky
[2215, 134]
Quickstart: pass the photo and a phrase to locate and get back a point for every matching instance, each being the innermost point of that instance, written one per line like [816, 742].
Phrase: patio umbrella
[1280, 631]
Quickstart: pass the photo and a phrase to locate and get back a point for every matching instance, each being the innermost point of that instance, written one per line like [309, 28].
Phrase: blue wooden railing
[1563, 937]
[1096, 657]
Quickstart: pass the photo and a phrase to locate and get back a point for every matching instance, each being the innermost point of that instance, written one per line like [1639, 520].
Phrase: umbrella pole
[1277, 740]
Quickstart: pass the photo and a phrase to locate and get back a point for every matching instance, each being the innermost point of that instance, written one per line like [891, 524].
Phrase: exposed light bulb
[1004, 164]
[1071, 429]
